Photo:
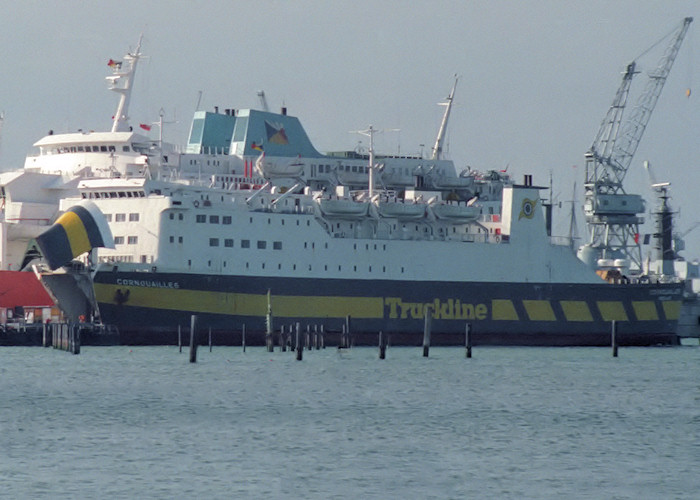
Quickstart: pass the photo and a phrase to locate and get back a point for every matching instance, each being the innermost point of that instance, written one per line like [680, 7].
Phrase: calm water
[121, 422]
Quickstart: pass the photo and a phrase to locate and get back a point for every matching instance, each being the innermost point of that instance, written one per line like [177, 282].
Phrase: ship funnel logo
[528, 209]
[276, 133]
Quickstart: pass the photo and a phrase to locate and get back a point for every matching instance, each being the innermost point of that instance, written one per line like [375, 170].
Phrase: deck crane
[612, 215]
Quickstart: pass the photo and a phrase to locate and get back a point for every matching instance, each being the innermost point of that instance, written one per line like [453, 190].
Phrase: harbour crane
[612, 215]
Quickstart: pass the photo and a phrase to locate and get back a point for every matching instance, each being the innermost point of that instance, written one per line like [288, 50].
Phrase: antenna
[263, 101]
[369, 132]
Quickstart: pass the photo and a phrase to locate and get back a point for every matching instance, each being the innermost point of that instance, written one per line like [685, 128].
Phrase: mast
[437, 148]
[121, 82]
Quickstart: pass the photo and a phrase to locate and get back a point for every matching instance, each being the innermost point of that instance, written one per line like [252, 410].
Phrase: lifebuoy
[196, 203]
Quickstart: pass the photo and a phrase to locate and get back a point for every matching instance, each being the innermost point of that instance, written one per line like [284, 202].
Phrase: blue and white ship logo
[528, 209]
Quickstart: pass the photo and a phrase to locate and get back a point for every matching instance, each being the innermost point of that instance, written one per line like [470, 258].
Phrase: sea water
[144, 422]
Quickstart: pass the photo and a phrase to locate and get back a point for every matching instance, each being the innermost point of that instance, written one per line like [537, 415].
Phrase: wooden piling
[299, 345]
[613, 335]
[269, 342]
[210, 339]
[348, 334]
[75, 347]
[426, 330]
[382, 345]
[44, 335]
[283, 339]
[243, 338]
[193, 341]
[70, 337]
[468, 340]
[323, 340]
[179, 337]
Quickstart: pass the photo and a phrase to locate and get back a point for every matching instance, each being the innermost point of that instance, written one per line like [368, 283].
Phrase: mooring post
[193, 341]
[348, 339]
[70, 336]
[210, 339]
[268, 324]
[323, 340]
[44, 338]
[613, 335]
[76, 339]
[382, 345]
[283, 339]
[426, 330]
[179, 337]
[243, 337]
[300, 346]
[468, 339]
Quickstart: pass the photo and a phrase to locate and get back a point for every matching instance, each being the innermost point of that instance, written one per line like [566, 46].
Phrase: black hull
[148, 309]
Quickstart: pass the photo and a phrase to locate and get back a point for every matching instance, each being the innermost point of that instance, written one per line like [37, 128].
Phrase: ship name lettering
[148, 283]
[442, 309]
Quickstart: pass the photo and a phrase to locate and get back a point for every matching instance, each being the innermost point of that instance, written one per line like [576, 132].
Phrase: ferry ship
[288, 233]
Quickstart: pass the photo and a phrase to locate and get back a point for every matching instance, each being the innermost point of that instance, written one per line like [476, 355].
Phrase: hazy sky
[536, 77]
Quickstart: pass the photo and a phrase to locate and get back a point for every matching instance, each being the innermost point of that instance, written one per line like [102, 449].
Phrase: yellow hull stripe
[503, 310]
[247, 304]
[612, 310]
[244, 304]
[645, 310]
[539, 310]
[576, 310]
[672, 309]
[76, 233]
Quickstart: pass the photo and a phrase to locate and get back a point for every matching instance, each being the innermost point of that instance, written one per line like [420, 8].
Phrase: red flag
[636, 238]
[145, 127]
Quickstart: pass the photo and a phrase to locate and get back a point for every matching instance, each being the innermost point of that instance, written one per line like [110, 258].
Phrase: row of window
[213, 219]
[263, 265]
[133, 217]
[228, 243]
[105, 148]
[131, 240]
[114, 194]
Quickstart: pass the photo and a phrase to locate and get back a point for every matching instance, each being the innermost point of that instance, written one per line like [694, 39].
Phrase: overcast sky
[536, 77]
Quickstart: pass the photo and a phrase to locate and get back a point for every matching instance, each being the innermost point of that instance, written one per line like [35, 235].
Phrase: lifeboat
[400, 209]
[456, 212]
[344, 207]
[273, 169]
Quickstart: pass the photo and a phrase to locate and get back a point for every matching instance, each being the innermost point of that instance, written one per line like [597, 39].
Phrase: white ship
[382, 240]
